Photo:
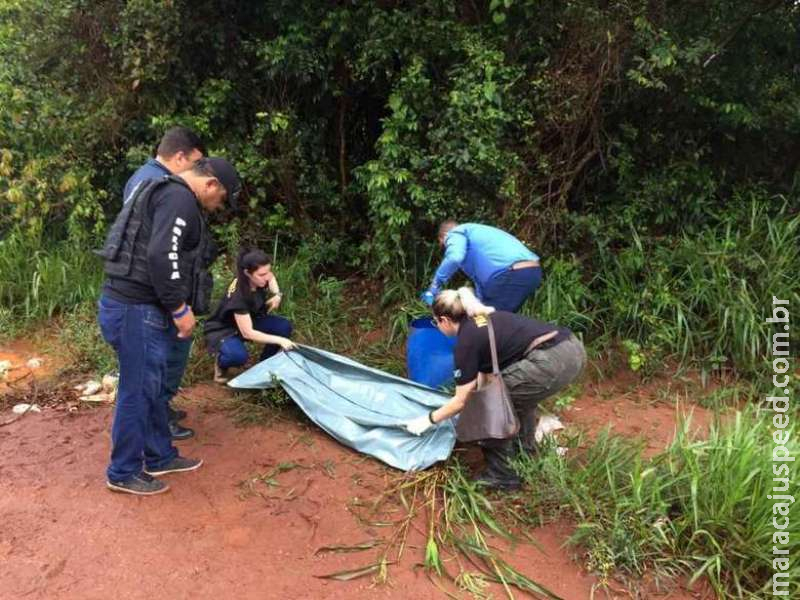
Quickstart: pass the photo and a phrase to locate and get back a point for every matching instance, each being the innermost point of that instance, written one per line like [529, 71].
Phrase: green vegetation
[39, 279]
[645, 149]
[88, 352]
[700, 508]
[461, 522]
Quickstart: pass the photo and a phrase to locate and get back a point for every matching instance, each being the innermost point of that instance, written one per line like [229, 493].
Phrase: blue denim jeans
[177, 357]
[233, 352]
[509, 289]
[141, 335]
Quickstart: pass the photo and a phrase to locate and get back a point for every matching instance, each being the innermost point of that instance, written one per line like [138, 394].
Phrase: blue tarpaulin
[363, 408]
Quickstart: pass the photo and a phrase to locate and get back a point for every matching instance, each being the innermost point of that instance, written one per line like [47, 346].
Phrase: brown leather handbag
[488, 413]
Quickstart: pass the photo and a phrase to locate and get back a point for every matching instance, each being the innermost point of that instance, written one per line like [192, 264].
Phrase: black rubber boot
[528, 420]
[498, 473]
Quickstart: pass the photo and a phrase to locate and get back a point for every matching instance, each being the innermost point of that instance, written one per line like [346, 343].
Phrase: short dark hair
[179, 139]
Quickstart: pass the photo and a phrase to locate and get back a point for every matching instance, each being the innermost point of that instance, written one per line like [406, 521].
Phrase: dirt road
[248, 524]
[64, 535]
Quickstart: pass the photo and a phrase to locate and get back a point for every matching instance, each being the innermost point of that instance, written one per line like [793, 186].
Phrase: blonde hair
[459, 304]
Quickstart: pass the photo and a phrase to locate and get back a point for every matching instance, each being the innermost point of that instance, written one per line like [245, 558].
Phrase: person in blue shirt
[179, 149]
[504, 271]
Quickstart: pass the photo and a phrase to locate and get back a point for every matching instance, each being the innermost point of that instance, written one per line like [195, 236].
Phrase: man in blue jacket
[179, 149]
[504, 271]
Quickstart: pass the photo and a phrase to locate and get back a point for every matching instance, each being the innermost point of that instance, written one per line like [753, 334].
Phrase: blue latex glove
[427, 297]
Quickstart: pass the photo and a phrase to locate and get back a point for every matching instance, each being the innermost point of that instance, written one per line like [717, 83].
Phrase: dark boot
[528, 420]
[498, 473]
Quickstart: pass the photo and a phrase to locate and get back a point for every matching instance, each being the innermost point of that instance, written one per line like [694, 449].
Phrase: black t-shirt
[512, 332]
[222, 323]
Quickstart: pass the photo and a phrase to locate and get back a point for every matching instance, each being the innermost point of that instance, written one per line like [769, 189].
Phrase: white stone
[547, 425]
[110, 383]
[91, 387]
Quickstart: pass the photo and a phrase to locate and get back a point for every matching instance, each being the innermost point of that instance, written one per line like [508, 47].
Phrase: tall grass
[39, 279]
[700, 508]
[704, 296]
[565, 297]
[701, 297]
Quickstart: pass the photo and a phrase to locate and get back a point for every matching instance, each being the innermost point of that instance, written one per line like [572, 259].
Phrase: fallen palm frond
[459, 523]
[356, 573]
[368, 545]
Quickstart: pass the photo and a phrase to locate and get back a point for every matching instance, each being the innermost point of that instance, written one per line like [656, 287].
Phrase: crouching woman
[243, 315]
[536, 360]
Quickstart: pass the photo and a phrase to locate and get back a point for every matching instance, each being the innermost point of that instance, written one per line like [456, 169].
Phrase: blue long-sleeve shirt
[152, 169]
[481, 252]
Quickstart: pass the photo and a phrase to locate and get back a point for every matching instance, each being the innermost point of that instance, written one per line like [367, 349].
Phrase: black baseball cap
[227, 176]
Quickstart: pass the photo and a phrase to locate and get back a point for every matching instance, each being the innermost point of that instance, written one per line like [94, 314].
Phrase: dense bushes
[698, 296]
[402, 113]
[626, 141]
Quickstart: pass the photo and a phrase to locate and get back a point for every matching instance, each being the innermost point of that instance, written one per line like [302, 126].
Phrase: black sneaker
[140, 485]
[179, 432]
[176, 465]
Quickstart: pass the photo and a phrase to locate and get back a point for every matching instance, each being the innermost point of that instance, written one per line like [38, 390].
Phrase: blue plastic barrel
[429, 354]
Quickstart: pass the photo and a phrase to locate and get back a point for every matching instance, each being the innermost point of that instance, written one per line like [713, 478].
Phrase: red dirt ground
[18, 354]
[637, 411]
[65, 536]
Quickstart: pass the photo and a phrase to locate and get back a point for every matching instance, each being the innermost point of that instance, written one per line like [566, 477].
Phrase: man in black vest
[178, 150]
[156, 273]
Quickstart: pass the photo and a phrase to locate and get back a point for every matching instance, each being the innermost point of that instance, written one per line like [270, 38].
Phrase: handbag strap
[493, 346]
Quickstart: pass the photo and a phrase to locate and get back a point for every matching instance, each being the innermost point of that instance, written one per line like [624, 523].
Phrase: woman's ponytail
[459, 304]
[472, 306]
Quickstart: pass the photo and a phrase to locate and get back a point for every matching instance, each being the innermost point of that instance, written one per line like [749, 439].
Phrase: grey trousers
[538, 375]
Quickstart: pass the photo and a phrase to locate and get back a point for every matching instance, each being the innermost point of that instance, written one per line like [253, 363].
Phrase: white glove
[419, 425]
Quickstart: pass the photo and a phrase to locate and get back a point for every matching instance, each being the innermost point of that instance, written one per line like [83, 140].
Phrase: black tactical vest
[125, 250]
